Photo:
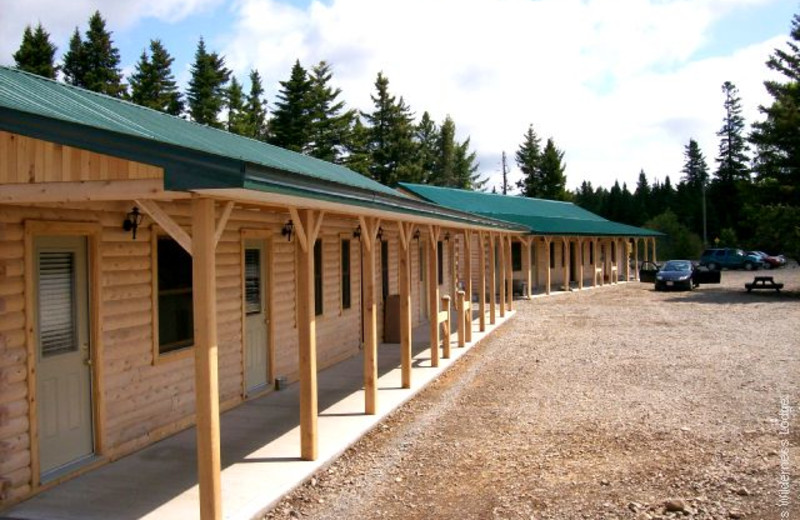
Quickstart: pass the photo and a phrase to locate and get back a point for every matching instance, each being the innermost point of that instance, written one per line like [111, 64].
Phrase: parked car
[769, 261]
[729, 258]
[683, 274]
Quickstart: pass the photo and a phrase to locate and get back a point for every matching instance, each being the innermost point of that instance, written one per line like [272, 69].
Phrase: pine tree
[642, 200]
[206, 93]
[444, 166]
[101, 60]
[693, 188]
[358, 156]
[553, 179]
[255, 109]
[528, 159]
[777, 138]
[291, 119]
[695, 169]
[391, 142]
[237, 119]
[427, 137]
[732, 157]
[36, 52]
[74, 66]
[330, 122]
[465, 168]
[153, 84]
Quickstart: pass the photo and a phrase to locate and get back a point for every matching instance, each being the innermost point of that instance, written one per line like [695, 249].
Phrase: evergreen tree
[36, 52]
[101, 72]
[642, 199]
[465, 168]
[692, 190]
[358, 157]
[237, 119]
[695, 169]
[444, 167]
[255, 109]
[74, 66]
[330, 122]
[553, 179]
[206, 93]
[291, 119]
[777, 138]
[153, 84]
[391, 143]
[427, 138]
[528, 157]
[732, 157]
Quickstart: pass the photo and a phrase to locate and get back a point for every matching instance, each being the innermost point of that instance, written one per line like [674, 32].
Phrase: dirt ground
[613, 403]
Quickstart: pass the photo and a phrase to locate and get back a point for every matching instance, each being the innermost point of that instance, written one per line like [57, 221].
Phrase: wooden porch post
[433, 292]
[595, 254]
[655, 258]
[580, 262]
[526, 264]
[502, 261]
[492, 281]
[468, 283]
[369, 230]
[204, 296]
[627, 259]
[565, 262]
[636, 258]
[646, 247]
[307, 224]
[404, 268]
[482, 282]
[536, 261]
[509, 274]
[547, 242]
[452, 274]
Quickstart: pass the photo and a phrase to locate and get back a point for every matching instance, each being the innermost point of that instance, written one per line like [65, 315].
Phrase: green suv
[729, 258]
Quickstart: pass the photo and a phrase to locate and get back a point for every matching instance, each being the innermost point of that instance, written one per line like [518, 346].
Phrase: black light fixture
[287, 230]
[132, 221]
[416, 235]
[380, 234]
[447, 236]
[357, 232]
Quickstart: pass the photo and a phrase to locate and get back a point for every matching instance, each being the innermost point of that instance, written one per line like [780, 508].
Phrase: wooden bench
[763, 282]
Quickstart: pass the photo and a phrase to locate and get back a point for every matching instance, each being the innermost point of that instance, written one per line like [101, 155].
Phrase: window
[563, 253]
[516, 256]
[174, 288]
[252, 281]
[384, 269]
[614, 252]
[533, 250]
[346, 296]
[57, 302]
[421, 251]
[591, 253]
[318, 277]
[552, 255]
[440, 261]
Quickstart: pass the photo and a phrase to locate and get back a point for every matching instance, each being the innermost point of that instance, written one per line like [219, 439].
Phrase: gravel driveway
[613, 403]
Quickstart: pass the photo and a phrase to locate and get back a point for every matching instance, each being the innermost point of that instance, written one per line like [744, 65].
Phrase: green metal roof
[540, 216]
[194, 157]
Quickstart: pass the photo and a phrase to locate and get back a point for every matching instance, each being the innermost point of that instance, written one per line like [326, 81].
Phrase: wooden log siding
[146, 401]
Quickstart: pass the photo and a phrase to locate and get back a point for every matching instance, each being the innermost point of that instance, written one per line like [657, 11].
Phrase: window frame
[516, 256]
[319, 277]
[179, 353]
[345, 286]
[440, 262]
[552, 255]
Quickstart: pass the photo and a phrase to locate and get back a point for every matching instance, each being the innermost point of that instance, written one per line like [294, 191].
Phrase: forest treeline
[750, 199]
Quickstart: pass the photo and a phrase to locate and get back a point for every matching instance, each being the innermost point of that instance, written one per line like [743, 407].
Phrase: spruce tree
[426, 136]
[358, 156]
[465, 167]
[101, 60]
[642, 200]
[732, 158]
[528, 158]
[291, 120]
[255, 109]
[444, 165]
[237, 121]
[206, 93]
[391, 142]
[36, 52]
[153, 84]
[74, 66]
[552, 167]
[330, 122]
[695, 168]
[777, 138]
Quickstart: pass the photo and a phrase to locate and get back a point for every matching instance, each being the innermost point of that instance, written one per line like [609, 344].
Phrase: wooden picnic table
[763, 282]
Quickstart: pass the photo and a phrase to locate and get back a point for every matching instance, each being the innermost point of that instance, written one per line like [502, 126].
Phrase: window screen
[252, 281]
[57, 302]
[175, 305]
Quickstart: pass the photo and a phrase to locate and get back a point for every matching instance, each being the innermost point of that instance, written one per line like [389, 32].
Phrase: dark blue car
[683, 274]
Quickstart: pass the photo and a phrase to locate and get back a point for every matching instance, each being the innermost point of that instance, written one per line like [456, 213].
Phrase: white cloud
[612, 81]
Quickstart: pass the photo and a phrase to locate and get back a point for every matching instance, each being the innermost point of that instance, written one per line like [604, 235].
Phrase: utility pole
[705, 233]
[505, 175]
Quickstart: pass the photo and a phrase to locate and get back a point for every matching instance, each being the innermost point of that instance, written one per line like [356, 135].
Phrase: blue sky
[621, 85]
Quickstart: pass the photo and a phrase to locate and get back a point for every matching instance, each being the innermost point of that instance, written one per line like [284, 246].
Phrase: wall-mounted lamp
[416, 234]
[447, 236]
[132, 221]
[380, 234]
[357, 232]
[288, 229]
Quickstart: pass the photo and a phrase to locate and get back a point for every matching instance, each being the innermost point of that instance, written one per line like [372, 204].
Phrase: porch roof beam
[166, 222]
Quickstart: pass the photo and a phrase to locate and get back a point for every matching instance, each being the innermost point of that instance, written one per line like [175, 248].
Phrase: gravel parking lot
[613, 403]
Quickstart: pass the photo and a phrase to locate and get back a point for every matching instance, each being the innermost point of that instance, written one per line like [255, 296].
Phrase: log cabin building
[155, 272]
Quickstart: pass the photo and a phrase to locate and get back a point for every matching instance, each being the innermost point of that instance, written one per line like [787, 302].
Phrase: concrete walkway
[260, 447]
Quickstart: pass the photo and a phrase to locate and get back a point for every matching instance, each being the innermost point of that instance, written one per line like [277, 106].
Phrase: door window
[252, 281]
[57, 303]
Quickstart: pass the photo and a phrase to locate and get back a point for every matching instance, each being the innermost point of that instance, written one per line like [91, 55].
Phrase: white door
[256, 355]
[63, 380]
